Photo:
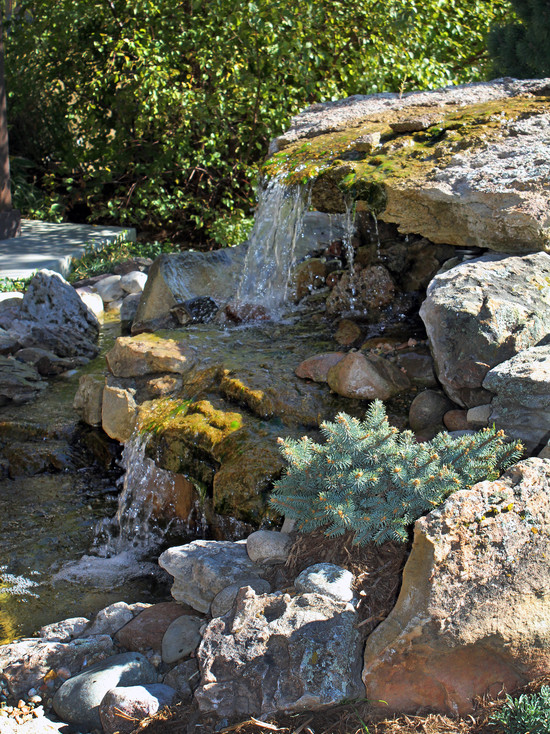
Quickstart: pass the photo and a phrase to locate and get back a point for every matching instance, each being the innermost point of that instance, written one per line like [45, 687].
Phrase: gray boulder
[482, 313]
[268, 546]
[521, 406]
[19, 382]
[279, 653]
[78, 699]
[327, 579]
[224, 600]
[203, 568]
[181, 638]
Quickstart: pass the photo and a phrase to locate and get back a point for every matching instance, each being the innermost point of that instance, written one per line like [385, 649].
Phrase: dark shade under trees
[521, 48]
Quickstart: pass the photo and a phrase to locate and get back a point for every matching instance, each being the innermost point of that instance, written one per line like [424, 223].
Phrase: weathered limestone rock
[65, 630]
[224, 599]
[118, 413]
[123, 707]
[368, 378]
[133, 282]
[63, 341]
[522, 403]
[92, 301]
[26, 663]
[473, 615]
[88, 400]
[178, 277]
[363, 291]
[277, 653]
[146, 354]
[204, 567]
[78, 699]
[481, 313]
[476, 176]
[326, 579]
[316, 368]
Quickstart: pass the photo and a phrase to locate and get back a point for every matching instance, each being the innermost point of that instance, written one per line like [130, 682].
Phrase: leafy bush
[156, 113]
[526, 714]
[7, 285]
[372, 480]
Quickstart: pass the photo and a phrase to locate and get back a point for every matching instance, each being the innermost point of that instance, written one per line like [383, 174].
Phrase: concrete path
[53, 246]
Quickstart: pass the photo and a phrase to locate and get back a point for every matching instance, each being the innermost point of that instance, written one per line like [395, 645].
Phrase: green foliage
[7, 285]
[157, 113]
[521, 48]
[526, 714]
[372, 480]
[97, 261]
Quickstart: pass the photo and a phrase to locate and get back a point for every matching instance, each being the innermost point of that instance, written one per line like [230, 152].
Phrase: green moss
[334, 162]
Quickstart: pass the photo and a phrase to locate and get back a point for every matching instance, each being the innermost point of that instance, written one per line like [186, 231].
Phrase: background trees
[521, 48]
[157, 112]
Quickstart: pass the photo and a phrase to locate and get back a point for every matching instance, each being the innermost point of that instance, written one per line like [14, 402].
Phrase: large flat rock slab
[466, 165]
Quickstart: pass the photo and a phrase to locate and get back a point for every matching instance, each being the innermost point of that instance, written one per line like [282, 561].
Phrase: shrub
[526, 714]
[372, 480]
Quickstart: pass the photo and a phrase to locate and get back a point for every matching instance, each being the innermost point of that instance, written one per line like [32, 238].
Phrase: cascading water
[272, 244]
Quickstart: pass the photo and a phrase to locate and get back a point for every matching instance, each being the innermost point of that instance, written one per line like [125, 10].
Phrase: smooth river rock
[368, 378]
[77, 701]
[473, 614]
[122, 708]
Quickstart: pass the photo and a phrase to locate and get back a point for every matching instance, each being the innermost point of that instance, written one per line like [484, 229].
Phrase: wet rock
[203, 568]
[177, 277]
[472, 616]
[147, 629]
[418, 366]
[199, 310]
[427, 410]
[77, 701]
[181, 638]
[456, 420]
[34, 663]
[118, 413]
[8, 344]
[47, 363]
[184, 678]
[65, 630]
[129, 308]
[133, 282]
[224, 600]
[28, 458]
[53, 303]
[244, 313]
[133, 356]
[110, 289]
[358, 376]
[19, 382]
[363, 291]
[268, 546]
[109, 620]
[347, 333]
[277, 653]
[316, 368]
[521, 406]
[88, 400]
[308, 275]
[326, 579]
[480, 314]
[122, 708]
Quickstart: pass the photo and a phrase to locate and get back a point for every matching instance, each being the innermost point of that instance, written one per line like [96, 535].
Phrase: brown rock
[147, 354]
[241, 313]
[119, 413]
[456, 420]
[418, 366]
[364, 290]
[316, 368]
[473, 615]
[308, 275]
[427, 410]
[347, 332]
[356, 376]
[146, 631]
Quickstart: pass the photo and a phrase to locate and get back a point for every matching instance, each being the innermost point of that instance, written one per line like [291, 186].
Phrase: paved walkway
[53, 246]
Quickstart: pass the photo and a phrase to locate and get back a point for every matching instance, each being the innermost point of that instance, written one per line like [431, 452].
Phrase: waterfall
[272, 244]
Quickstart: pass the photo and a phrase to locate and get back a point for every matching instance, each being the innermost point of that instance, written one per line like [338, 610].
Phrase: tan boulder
[88, 400]
[473, 614]
[145, 354]
[119, 413]
[369, 378]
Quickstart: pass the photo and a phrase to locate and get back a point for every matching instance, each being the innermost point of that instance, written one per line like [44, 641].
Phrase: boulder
[92, 301]
[473, 614]
[184, 678]
[35, 663]
[133, 356]
[368, 378]
[326, 579]
[65, 630]
[63, 341]
[118, 413]
[362, 291]
[427, 411]
[181, 638]
[52, 302]
[133, 282]
[129, 308]
[109, 620]
[19, 382]
[122, 708]
[268, 546]
[203, 568]
[47, 363]
[347, 333]
[521, 406]
[482, 313]
[110, 289]
[477, 176]
[308, 275]
[78, 700]
[276, 653]
[224, 600]
[316, 368]
[177, 277]
[147, 629]
[88, 400]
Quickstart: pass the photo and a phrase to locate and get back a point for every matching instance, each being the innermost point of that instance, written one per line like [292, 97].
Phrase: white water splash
[272, 244]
